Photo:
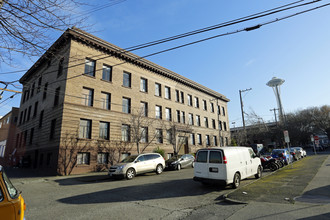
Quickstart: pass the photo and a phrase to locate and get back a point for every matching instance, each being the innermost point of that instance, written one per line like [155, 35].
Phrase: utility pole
[9, 90]
[274, 109]
[240, 96]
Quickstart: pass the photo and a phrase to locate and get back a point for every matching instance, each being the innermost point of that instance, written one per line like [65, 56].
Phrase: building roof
[126, 56]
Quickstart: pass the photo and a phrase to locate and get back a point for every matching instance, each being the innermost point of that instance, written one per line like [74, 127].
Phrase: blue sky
[296, 50]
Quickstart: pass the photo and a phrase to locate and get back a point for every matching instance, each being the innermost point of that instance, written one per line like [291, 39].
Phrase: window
[158, 89]
[25, 113]
[178, 118]
[39, 84]
[57, 96]
[31, 135]
[196, 102]
[125, 133]
[177, 96]
[127, 79]
[202, 157]
[102, 158]
[52, 129]
[35, 111]
[83, 158]
[158, 110]
[218, 110]
[191, 119]
[89, 67]
[60, 67]
[182, 97]
[107, 73]
[169, 136]
[144, 135]
[206, 122]
[221, 141]
[212, 107]
[215, 157]
[198, 120]
[49, 157]
[21, 117]
[167, 92]
[223, 111]
[220, 125]
[126, 105]
[85, 128]
[159, 135]
[32, 90]
[199, 139]
[189, 98]
[88, 96]
[104, 130]
[41, 116]
[213, 124]
[29, 113]
[144, 109]
[192, 139]
[106, 100]
[168, 113]
[224, 126]
[207, 138]
[204, 105]
[183, 117]
[44, 96]
[215, 141]
[144, 85]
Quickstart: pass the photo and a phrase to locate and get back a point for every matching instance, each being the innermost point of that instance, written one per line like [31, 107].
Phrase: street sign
[286, 136]
[317, 142]
[316, 138]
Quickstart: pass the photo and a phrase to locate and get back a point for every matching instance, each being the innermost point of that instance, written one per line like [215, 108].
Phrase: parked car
[180, 161]
[283, 153]
[295, 153]
[226, 165]
[301, 150]
[138, 164]
[12, 205]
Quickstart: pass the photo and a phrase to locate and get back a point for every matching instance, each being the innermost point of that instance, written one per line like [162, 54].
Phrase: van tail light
[24, 206]
[224, 159]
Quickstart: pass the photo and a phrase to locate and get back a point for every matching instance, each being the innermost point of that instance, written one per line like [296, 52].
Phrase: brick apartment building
[7, 138]
[85, 101]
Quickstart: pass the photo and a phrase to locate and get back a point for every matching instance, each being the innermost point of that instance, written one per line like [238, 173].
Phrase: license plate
[214, 169]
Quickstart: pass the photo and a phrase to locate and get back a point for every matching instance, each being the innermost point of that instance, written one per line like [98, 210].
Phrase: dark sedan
[180, 161]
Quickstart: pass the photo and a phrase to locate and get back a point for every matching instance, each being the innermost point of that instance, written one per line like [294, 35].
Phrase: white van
[226, 165]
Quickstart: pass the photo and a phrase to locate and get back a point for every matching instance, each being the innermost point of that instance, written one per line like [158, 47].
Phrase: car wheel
[237, 180]
[130, 173]
[258, 175]
[273, 166]
[178, 167]
[159, 169]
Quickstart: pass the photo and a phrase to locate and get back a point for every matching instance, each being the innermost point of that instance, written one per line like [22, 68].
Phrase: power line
[213, 27]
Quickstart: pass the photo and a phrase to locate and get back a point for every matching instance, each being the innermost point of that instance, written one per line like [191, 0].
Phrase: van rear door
[201, 165]
[217, 168]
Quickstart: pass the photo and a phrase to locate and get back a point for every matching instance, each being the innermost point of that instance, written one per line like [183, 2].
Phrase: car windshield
[174, 158]
[129, 159]
[277, 152]
[13, 193]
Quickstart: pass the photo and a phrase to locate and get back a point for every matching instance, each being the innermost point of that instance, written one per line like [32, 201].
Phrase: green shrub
[160, 151]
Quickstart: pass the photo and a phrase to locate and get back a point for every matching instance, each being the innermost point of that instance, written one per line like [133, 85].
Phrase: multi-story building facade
[86, 103]
[7, 138]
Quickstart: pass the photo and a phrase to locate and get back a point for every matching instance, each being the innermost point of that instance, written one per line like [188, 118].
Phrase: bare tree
[68, 152]
[140, 126]
[26, 25]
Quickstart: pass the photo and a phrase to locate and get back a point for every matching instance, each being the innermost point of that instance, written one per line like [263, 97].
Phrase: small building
[7, 138]
[87, 103]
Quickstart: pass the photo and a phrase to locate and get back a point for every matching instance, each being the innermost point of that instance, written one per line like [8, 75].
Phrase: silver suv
[137, 164]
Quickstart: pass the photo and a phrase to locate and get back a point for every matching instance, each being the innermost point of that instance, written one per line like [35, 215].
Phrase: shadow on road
[164, 190]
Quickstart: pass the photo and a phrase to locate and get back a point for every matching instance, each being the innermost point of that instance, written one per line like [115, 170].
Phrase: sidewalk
[313, 202]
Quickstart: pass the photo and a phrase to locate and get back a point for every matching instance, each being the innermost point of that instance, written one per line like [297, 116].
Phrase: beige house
[87, 103]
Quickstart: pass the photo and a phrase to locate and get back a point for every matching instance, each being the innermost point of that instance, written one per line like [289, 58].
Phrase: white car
[301, 150]
[138, 164]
